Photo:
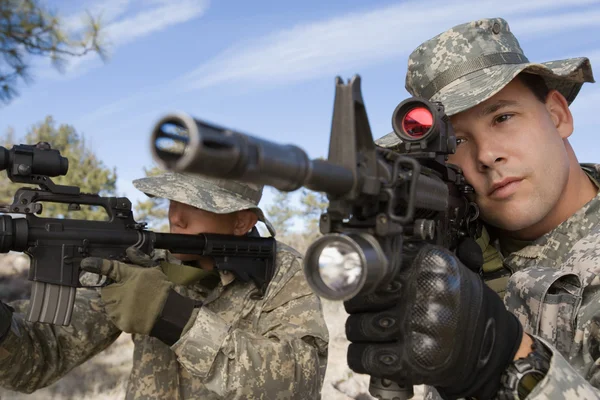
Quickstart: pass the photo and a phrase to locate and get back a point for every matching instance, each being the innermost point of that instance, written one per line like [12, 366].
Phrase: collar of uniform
[566, 234]
[593, 172]
[571, 228]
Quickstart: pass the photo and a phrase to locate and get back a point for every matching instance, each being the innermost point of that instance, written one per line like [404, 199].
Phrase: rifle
[56, 246]
[383, 202]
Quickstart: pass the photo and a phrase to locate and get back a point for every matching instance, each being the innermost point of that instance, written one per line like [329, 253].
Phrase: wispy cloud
[165, 14]
[350, 41]
[534, 26]
[123, 26]
[366, 38]
[149, 94]
[107, 10]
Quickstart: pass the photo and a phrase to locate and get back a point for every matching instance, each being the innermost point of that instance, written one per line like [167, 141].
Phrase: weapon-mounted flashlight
[339, 266]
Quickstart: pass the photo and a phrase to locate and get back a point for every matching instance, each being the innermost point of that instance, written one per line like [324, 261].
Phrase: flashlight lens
[340, 267]
[417, 122]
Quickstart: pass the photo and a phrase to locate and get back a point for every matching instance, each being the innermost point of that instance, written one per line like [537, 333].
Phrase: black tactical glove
[5, 320]
[443, 327]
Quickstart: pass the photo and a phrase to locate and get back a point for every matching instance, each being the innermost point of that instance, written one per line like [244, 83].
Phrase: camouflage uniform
[240, 346]
[553, 283]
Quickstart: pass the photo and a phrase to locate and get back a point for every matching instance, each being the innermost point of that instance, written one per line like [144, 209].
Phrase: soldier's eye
[502, 118]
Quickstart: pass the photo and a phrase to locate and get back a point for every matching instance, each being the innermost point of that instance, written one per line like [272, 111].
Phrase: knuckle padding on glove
[373, 327]
[484, 338]
[434, 318]
[365, 358]
[455, 333]
[379, 300]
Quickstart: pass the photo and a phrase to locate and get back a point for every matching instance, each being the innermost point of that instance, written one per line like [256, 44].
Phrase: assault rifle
[56, 246]
[383, 202]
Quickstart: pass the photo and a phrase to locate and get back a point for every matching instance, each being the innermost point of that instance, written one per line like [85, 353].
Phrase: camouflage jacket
[554, 290]
[239, 347]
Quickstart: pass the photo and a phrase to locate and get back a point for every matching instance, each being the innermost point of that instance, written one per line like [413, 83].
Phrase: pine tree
[28, 28]
[153, 210]
[85, 170]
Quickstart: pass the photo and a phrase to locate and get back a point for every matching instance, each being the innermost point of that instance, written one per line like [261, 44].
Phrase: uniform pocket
[546, 301]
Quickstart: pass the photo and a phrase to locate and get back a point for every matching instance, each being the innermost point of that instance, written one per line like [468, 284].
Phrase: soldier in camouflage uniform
[198, 333]
[534, 330]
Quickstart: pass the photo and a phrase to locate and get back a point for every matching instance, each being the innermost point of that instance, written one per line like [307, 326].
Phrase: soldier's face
[190, 220]
[513, 151]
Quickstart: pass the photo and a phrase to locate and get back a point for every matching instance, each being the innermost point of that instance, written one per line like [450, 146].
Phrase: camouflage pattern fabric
[554, 290]
[220, 196]
[554, 286]
[471, 62]
[238, 346]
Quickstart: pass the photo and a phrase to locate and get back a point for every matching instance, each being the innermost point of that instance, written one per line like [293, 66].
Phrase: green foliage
[153, 210]
[313, 204]
[281, 213]
[28, 28]
[85, 170]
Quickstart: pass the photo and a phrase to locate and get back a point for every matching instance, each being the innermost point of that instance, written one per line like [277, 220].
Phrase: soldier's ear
[559, 111]
[244, 221]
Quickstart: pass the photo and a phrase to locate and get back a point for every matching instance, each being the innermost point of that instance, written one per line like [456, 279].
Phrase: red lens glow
[417, 122]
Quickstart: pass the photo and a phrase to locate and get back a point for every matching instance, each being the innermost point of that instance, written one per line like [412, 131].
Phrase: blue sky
[267, 68]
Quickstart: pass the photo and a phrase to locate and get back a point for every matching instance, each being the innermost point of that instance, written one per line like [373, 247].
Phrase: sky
[268, 68]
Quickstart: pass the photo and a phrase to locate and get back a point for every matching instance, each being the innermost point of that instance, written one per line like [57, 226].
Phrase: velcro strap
[172, 319]
[498, 285]
[497, 280]
[472, 65]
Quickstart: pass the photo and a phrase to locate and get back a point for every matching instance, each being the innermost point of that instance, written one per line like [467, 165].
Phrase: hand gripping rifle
[382, 202]
[56, 246]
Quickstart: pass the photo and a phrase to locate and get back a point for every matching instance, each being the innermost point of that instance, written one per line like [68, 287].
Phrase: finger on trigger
[138, 257]
[101, 266]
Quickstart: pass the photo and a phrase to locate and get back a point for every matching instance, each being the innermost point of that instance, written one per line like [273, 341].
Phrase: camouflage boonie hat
[471, 62]
[219, 196]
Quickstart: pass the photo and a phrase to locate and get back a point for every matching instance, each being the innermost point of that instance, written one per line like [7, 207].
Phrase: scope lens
[340, 267]
[417, 122]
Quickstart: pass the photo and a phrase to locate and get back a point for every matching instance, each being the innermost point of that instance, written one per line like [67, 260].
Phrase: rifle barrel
[184, 144]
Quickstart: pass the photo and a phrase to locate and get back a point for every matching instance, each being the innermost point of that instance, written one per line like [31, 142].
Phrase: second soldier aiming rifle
[383, 202]
[56, 246]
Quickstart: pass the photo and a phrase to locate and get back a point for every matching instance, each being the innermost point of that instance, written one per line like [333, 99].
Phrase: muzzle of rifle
[181, 143]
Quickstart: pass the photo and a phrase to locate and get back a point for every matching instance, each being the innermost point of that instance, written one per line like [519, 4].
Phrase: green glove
[136, 298]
